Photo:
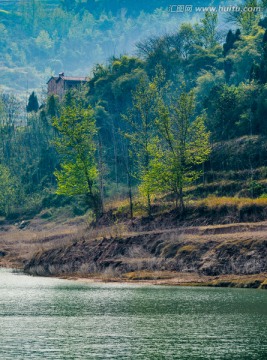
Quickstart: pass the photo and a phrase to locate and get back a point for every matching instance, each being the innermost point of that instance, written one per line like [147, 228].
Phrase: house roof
[68, 78]
[52, 78]
[74, 78]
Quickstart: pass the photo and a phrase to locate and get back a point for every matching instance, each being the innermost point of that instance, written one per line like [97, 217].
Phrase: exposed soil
[213, 255]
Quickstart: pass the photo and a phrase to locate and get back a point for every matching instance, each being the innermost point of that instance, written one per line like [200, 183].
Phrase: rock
[23, 224]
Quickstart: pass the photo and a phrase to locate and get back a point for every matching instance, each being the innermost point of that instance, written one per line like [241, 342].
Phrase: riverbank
[258, 281]
[158, 252]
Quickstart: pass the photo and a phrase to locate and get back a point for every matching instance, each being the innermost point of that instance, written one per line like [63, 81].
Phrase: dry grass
[119, 229]
[121, 207]
[187, 249]
[21, 245]
[118, 203]
[182, 244]
[189, 279]
[214, 202]
[149, 275]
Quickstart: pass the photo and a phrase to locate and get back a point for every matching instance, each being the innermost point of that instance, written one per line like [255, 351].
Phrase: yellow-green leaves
[168, 140]
[181, 145]
[75, 143]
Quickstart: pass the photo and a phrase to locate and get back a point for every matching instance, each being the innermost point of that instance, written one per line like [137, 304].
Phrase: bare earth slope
[220, 255]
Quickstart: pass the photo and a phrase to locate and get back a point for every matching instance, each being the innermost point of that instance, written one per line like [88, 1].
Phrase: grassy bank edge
[258, 281]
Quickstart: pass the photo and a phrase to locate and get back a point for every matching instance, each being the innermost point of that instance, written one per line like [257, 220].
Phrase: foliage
[78, 173]
[183, 144]
[32, 103]
[141, 121]
[8, 190]
[161, 142]
[39, 38]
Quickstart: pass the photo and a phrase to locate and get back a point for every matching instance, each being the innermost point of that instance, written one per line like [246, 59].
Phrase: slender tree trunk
[101, 174]
[128, 168]
[203, 174]
[149, 205]
[176, 199]
[130, 194]
[115, 151]
[96, 207]
[147, 158]
[96, 203]
[181, 198]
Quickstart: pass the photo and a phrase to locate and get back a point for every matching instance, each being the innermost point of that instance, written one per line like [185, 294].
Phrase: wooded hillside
[184, 118]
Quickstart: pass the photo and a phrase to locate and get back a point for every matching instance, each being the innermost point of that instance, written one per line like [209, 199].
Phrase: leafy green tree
[246, 20]
[231, 38]
[8, 190]
[78, 174]
[141, 121]
[52, 106]
[32, 103]
[182, 145]
[222, 112]
[249, 19]
[44, 41]
[207, 30]
[247, 51]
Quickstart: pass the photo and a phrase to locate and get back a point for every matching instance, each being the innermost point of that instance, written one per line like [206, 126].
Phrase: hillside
[43, 38]
[156, 163]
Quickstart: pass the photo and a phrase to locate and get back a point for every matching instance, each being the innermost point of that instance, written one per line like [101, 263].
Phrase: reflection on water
[43, 318]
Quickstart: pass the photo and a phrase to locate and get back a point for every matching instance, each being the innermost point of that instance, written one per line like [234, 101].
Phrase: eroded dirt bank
[220, 255]
[157, 252]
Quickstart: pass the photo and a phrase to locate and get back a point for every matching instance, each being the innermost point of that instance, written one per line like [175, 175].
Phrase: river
[47, 318]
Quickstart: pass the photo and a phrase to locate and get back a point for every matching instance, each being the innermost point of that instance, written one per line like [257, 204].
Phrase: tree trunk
[130, 194]
[115, 152]
[149, 205]
[176, 200]
[96, 202]
[181, 198]
[101, 174]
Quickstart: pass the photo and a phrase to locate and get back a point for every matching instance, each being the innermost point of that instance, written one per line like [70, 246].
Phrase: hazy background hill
[41, 38]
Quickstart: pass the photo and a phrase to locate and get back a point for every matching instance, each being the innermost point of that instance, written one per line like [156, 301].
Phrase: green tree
[207, 30]
[78, 174]
[249, 19]
[8, 187]
[247, 51]
[182, 145]
[141, 121]
[222, 104]
[52, 106]
[32, 103]
[231, 38]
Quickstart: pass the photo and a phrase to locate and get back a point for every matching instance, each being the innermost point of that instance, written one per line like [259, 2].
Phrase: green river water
[44, 318]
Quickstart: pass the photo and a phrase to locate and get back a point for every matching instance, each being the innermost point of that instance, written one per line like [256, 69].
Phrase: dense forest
[185, 116]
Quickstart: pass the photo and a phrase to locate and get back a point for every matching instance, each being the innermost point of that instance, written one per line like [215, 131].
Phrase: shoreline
[255, 281]
[164, 278]
[230, 255]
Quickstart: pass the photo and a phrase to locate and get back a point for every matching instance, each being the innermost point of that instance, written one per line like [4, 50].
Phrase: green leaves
[183, 144]
[72, 178]
[8, 190]
[78, 174]
[168, 141]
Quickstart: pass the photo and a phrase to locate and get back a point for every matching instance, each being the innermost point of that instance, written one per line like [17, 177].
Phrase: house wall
[56, 87]
[52, 86]
[59, 86]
